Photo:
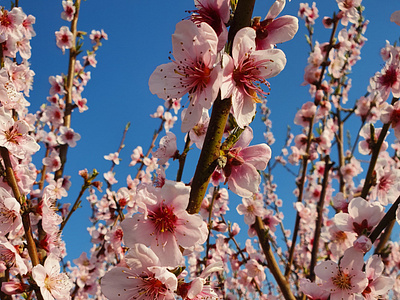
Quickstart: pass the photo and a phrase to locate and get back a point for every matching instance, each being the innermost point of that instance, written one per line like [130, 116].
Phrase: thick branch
[209, 154]
[219, 116]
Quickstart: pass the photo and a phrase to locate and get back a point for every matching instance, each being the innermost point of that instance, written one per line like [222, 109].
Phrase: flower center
[361, 228]
[164, 219]
[195, 76]
[395, 117]
[7, 256]
[5, 20]
[12, 135]
[207, 14]
[340, 236]
[389, 78]
[342, 281]
[152, 288]
[247, 74]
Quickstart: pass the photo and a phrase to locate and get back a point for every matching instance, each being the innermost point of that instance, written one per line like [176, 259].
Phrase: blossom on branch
[64, 38]
[143, 277]
[272, 30]
[243, 72]
[242, 164]
[14, 135]
[215, 13]
[52, 283]
[193, 71]
[166, 226]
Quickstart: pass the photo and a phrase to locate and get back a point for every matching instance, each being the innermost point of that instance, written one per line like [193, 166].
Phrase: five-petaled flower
[243, 72]
[193, 71]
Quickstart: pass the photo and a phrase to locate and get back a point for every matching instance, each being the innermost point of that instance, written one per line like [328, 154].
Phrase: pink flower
[52, 283]
[378, 285]
[64, 38]
[69, 10]
[391, 113]
[244, 69]
[349, 11]
[143, 278]
[68, 136]
[114, 157]
[250, 208]
[167, 227]
[166, 149]
[313, 290]
[14, 135]
[109, 177]
[136, 156]
[345, 280]
[27, 28]
[365, 146]
[10, 217]
[199, 289]
[198, 132]
[169, 121]
[242, 164]
[53, 114]
[361, 218]
[388, 79]
[307, 13]
[53, 162]
[215, 13]
[10, 257]
[273, 31]
[57, 85]
[192, 71]
[10, 23]
[254, 269]
[395, 17]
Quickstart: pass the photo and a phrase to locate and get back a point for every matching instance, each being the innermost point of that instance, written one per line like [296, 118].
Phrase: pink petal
[120, 283]
[192, 116]
[165, 83]
[274, 61]
[395, 17]
[257, 155]
[243, 108]
[280, 30]
[175, 194]
[275, 9]
[326, 270]
[245, 138]
[244, 180]
[244, 42]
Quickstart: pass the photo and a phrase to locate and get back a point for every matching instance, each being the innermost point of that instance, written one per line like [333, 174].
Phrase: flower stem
[271, 262]
[318, 222]
[68, 89]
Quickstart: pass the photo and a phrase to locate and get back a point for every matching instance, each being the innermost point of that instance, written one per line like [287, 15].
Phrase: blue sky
[140, 39]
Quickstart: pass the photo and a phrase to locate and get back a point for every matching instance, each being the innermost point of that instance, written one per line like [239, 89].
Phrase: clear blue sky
[140, 39]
